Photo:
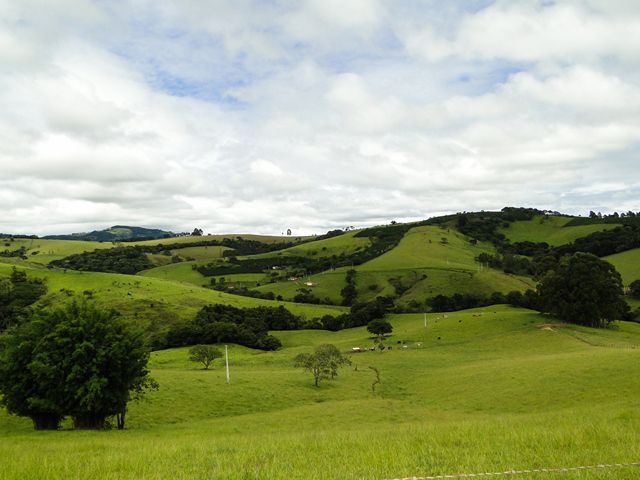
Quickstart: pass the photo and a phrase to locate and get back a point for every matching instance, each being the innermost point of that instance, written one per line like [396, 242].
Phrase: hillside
[476, 391]
[551, 229]
[114, 234]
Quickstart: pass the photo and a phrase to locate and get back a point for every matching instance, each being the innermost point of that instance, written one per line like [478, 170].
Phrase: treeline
[382, 239]
[133, 259]
[244, 326]
[17, 294]
[464, 301]
[250, 326]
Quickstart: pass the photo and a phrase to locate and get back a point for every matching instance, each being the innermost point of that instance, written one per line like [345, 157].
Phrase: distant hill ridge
[115, 233]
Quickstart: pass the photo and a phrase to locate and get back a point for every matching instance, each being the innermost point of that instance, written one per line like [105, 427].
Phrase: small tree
[583, 289]
[634, 289]
[204, 354]
[323, 363]
[380, 328]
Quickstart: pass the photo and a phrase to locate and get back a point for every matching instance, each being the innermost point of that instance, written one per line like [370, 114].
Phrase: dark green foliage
[76, 360]
[379, 327]
[349, 292]
[204, 354]
[323, 363]
[17, 253]
[305, 295]
[584, 290]
[133, 259]
[458, 301]
[17, 293]
[245, 326]
[483, 226]
[634, 289]
[604, 243]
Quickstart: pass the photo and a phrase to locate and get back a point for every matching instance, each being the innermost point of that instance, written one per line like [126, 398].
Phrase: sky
[257, 116]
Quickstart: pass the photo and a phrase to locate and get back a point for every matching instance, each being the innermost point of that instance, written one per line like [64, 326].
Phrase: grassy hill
[156, 302]
[550, 229]
[428, 261]
[627, 263]
[486, 390]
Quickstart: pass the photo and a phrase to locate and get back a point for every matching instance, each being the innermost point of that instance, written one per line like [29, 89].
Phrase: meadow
[490, 389]
[551, 230]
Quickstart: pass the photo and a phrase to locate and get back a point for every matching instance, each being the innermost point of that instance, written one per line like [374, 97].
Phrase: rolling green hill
[627, 263]
[550, 229]
[485, 390]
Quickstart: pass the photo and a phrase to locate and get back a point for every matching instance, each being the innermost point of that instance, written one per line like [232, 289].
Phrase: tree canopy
[584, 290]
[77, 360]
[323, 363]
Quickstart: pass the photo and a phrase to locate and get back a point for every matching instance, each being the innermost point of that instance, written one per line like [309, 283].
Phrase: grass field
[551, 230]
[627, 263]
[44, 251]
[475, 391]
[342, 244]
[154, 300]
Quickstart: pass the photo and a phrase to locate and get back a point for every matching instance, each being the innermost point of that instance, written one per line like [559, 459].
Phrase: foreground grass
[481, 390]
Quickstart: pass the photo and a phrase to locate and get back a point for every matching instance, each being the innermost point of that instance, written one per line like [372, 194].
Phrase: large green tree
[76, 360]
[583, 289]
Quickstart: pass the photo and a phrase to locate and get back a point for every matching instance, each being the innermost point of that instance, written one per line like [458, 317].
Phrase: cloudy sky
[240, 115]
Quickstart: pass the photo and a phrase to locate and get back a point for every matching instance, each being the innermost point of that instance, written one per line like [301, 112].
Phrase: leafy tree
[323, 363]
[77, 360]
[634, 289]
[380, 328]
[584, 290]
[204, 354]
[17, 293]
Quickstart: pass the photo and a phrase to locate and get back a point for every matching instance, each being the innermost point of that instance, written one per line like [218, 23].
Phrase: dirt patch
[549, 326]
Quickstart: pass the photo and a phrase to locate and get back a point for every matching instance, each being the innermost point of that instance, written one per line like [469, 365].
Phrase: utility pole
[226, 355]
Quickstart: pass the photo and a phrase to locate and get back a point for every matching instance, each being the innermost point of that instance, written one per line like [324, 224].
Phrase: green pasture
[551, 230]
[483, 390]
[627, 263]
[325, 285]
[346, 244]
[156, 301]
[43, 251]
[179, 272]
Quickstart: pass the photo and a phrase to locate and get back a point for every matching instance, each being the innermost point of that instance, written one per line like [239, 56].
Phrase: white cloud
[258, 116]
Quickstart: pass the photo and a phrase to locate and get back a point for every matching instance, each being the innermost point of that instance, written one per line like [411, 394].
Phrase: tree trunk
[120, 418]
[89, 421]
[46, 422]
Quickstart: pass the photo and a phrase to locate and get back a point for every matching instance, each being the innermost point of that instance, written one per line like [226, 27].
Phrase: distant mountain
[116, 233]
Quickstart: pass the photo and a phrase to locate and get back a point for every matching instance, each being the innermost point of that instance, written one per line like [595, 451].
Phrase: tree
[17, 293]
[204, 354]
[583, 289]
[380, 328]
[197, 232]
[323, 363]
[76, 360]
[634, 289]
